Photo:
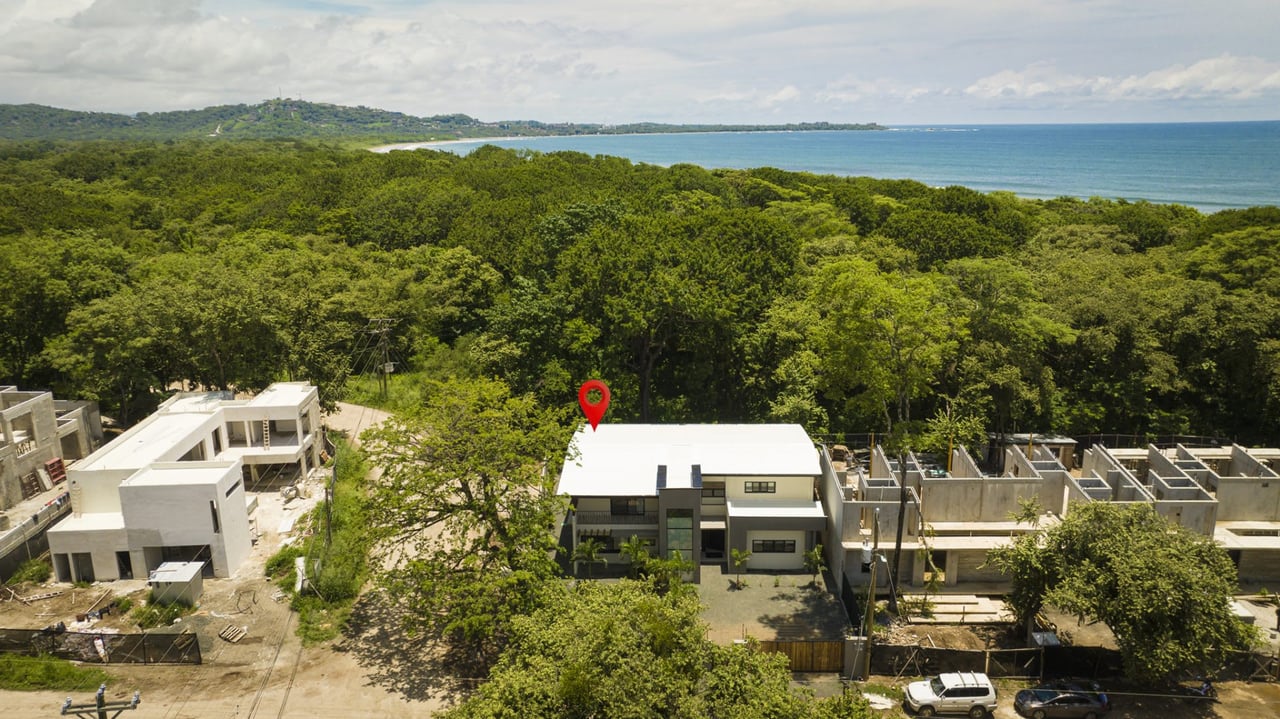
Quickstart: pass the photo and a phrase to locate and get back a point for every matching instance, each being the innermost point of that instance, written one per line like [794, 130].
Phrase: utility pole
[381, 326]
[897, 545]
[100, 707]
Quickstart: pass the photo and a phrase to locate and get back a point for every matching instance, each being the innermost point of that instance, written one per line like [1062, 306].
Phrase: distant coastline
[1207, 166]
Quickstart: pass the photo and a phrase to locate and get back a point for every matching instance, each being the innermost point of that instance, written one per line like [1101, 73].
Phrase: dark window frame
[773, 546]
[626, 506]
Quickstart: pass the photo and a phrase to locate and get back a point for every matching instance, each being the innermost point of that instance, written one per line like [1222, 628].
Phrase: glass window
[760, 487]
[680, 532]
[626, 505]
[773, 546]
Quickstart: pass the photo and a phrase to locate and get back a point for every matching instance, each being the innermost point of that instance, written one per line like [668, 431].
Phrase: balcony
[609, 519]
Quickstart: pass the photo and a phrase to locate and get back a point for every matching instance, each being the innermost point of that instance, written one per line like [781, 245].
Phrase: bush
[19, 673]
[35, 571]
[153, 614]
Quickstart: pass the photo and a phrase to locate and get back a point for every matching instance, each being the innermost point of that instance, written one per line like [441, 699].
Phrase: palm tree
[815, 563]
[588, 550]
[739, 558]
[636, 552]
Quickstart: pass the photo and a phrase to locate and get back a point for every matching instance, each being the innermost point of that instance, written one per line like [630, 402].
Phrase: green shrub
[35, 571]
[123, 605]
[153, 614]
[19, 673]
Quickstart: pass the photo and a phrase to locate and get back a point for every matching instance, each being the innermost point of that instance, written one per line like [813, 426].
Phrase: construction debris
[233, 634]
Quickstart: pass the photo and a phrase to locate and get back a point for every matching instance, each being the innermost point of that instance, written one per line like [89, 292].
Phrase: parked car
[1080, 686]
[1051, 703]
[969, 693]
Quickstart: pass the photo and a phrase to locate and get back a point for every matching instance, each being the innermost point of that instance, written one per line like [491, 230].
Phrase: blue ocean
[1209, 166]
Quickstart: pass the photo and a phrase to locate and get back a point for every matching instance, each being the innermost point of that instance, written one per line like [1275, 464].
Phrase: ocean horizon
[1206, 165]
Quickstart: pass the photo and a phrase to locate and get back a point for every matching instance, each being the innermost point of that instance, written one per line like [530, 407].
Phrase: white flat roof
[145, 443]
[621, 460]
[283, 394]
[185, 473]
[89, 522]
[170, 572]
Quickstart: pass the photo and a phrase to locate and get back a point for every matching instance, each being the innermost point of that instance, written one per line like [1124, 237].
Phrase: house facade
[955, 514]
[700, 490]
[35, 430]
[176, 487]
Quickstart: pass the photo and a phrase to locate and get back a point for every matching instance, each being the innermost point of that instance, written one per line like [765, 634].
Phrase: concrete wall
[989, 499]
[963, 566]
[833, 494]
[32, 413]
[96, 492]
[172, 515]
[1259, 565]
[102, 545]
[1248, 499]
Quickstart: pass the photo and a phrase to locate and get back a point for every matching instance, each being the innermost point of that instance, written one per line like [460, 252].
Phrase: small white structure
[172, 488]
[177, 582]
[698, 489]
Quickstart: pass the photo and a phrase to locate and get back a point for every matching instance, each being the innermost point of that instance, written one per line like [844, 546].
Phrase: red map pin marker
[595, 412]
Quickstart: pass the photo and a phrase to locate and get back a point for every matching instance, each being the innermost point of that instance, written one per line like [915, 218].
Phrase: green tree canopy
[623, 651]
[1164, 591]
[464, 506]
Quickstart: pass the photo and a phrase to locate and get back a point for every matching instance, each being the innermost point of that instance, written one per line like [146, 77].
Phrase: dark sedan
[1059, 704]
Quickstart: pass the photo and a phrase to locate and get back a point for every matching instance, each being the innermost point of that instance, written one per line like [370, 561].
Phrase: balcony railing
[608, 518]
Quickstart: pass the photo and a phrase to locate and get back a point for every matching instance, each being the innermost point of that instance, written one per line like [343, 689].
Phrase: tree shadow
[415, 666]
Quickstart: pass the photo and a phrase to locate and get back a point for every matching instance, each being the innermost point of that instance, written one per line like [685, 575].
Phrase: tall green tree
[884, 340]
[464, 504]
[622, 650]
[1164, 591]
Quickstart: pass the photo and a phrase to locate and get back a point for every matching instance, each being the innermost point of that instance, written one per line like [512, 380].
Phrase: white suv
[955, 693]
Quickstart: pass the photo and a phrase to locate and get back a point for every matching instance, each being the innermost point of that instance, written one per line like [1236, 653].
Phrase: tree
[882, 339]
[588, 551]
[464, 505]
[1164, 591]
[815, 563]
[739, 557]
[622, 650]
[636, 552]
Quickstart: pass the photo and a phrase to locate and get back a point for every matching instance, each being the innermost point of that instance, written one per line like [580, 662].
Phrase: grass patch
[324, 606]
[19, 673]
[34, 571]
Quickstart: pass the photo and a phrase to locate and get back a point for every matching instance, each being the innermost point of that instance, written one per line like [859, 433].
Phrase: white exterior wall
[102, 544]
[776, 561]
[789, 489]
[97, 491]
[168, 515]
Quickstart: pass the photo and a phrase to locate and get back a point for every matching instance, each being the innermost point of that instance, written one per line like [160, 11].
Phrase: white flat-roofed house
[173, 487]
[699, 489]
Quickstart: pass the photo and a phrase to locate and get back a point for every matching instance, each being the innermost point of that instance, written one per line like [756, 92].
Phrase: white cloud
[1224, 77]
[667, 60]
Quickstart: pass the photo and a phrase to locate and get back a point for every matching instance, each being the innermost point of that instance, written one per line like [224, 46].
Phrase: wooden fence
[810, 655]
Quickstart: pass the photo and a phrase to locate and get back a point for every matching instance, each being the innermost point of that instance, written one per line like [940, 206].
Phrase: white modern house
[173, 487]
[697, 489]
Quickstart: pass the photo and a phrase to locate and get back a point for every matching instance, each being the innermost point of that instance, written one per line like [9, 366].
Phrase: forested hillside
[298, 119]
[847, 304]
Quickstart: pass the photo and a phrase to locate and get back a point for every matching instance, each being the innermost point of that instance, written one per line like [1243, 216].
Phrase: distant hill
[301, 119]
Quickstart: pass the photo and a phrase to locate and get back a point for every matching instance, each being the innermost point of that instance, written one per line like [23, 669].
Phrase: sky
[896, 62]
